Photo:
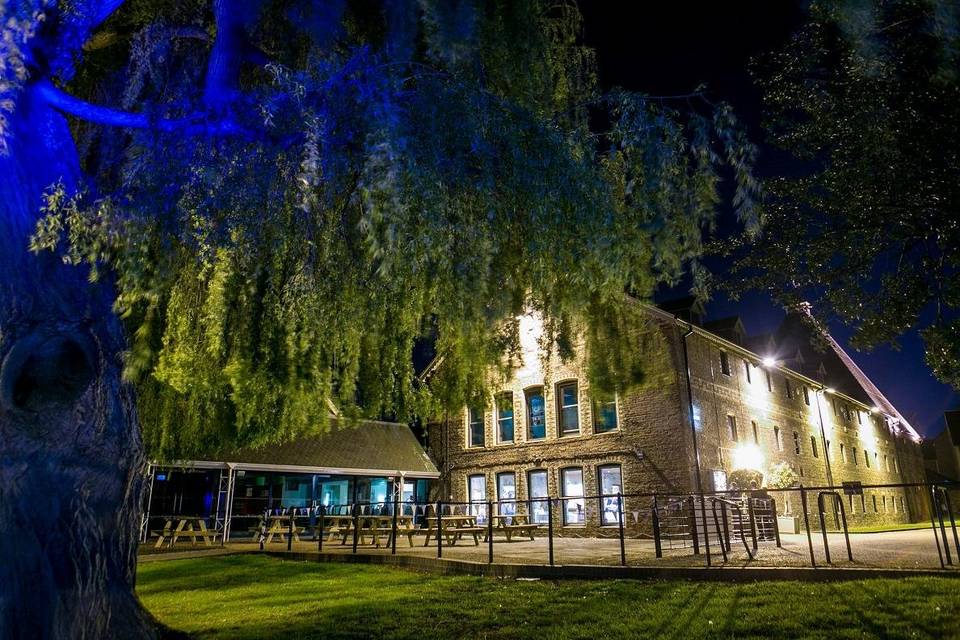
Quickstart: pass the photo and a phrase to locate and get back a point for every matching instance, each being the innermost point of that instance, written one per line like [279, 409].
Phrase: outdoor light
[747, 456]
[830, 390]
[769, 362]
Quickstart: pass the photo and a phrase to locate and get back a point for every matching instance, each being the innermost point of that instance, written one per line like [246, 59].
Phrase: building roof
[363, 447]
[730, 328]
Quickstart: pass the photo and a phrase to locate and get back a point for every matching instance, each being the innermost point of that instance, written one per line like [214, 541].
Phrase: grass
[252, 596]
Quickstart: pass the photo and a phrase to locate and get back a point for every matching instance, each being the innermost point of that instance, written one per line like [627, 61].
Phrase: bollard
[489, 532]
[550, 529]
[623, 549]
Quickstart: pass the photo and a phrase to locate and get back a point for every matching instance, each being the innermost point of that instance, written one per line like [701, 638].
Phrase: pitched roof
[365, 446]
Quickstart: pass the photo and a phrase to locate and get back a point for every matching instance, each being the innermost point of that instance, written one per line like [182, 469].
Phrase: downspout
[823, 437]
[693, 432]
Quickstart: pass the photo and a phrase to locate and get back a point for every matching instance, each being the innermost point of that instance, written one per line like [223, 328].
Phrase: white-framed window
[568, 408]
[610, 481]
[537, 488]
[477, 490]
[504, 408]
[571, 487]
[476, 430]
[506, 493]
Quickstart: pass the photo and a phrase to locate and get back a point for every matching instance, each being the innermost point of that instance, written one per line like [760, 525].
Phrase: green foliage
[412, 175]
[782, 476]
[866, 97]
[745, 479]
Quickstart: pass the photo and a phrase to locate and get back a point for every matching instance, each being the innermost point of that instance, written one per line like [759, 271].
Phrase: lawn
[252, 596]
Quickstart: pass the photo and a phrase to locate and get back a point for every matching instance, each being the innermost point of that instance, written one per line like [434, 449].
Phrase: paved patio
[895, 550]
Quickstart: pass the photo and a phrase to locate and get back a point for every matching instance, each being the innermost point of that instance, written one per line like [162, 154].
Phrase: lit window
[778, 436]
[537, 488]
[604, 414]
[572, 492]
[756, 432]
[732, 428]
[796, 443]
[813, 446]
[724, 363]
[477, 488]
[569, 408]
[505, 417]
[476, 427]
[536, 422]
[746, 369]
[506, 493]
[610, 486]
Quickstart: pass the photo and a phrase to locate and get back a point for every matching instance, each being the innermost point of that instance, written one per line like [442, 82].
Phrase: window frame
[483, 428]
[528, 393]
[564, 498]
[746, 368]
[725, 363]
[478, 508]
[756, 432]
[732, 432]
[796, 443]
[500, 420]
[601, 494]
[562, 431]
[778, 437]
[530, 497]
[513, 504]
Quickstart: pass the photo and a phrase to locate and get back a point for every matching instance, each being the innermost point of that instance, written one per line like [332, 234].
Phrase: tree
[242, 211]
[866, 99]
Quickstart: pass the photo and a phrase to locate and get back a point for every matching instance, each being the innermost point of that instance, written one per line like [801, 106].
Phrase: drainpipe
[696, 450]
[823, 437]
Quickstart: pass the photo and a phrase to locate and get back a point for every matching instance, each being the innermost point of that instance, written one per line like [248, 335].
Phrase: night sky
[671, 48]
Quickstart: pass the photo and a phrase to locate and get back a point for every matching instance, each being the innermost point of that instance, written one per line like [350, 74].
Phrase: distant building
[941, 455]
[755, 402]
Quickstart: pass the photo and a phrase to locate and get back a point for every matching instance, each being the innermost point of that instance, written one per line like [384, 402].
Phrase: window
[874, 496]
[477, 488]
[476, 427]
[787, 387]
[506, 493]
[769, 381]
[778, 436]
[893, 501]
[866, 457]
[569, 408]
[813, 446]
[604, 414]
[896, 467]
[756, 432]
[886, 463]
[610, 486]
[505, 417]
[724, 363]
[746, 370]
[732, 428]
[536, 421]
[902, 510]
[853, 455]
[836, 407]
[796, 443]
[859, 417]
[572, 492]
[843, 454]
[537, 488]
[806, 395]
[853, 509]
[884, 498]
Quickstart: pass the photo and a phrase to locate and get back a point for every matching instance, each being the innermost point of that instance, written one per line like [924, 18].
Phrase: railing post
[322, 518]
[806, 522]
[943, 531]
[716, 523]
[693, 526]
[753, 522]
[290, 528]
[393, 534]
[706, 530]
[953, 522]
[356, 526]
[725, 537]
[440, 528]
[776, 523]
[550, 529]
[933, 525]
[489, 532]
[656, 529]
[623, 549]
[823, 527]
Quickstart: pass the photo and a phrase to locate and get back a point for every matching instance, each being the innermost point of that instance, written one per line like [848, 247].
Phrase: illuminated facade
[756, 403]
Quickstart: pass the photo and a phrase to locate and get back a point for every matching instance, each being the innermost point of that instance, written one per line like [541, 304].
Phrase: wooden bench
[184, 529]
[525, 530]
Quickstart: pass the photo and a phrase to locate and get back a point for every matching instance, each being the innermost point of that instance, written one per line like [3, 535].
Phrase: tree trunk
[70, 449]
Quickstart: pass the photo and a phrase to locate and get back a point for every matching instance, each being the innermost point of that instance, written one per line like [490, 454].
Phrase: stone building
[715, 401]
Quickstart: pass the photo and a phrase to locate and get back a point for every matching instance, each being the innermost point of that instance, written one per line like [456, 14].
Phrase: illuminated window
[604, 414]
[476, 427]
[896, 467]
[778, 436]
[569, 408]
[756, 432]
[477, 488]
[505, 417]
[886, 463]
[746, 369]
[610, 486]
[732, 428]
[506, 493]
[724, 363]
[537, 488]
[901, 505]
[813, 446]
[572, 492]
[536, 422]
[796, 443]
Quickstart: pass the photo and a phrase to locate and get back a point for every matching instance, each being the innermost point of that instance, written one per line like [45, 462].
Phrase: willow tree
[866, 98]
[217, 219]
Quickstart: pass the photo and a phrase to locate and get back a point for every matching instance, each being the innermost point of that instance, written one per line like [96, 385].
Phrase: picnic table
[191, 527]
[515, 523]
[279, 525]
[341, 525]
[454, 527]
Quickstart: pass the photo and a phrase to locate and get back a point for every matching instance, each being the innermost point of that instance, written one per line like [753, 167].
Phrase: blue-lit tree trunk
[70, 449]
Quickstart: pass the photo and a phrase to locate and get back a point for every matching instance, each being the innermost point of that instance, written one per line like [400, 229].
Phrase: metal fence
[696, 527]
